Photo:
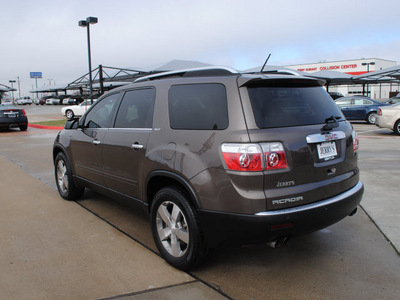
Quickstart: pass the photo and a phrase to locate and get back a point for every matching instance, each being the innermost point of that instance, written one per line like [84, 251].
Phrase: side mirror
[72, 124]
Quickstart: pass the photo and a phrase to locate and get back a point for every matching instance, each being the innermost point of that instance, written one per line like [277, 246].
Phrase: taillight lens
[356, 143]
[23, 112]
[254, 157]
[242, 157]
[275, 157]
[379, 112]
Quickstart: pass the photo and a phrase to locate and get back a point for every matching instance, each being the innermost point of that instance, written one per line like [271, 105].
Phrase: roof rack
[205, 71]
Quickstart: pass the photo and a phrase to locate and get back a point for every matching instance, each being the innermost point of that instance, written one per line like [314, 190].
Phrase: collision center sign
[329, 68]
[36, 74]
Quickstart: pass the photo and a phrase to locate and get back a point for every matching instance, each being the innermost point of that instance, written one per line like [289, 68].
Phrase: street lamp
[367, 64]
[86, 23]
[12, 81]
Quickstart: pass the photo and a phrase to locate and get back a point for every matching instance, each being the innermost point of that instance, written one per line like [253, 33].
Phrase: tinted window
[99, 116]
[198, 106]
[136, 110]
[291, 106]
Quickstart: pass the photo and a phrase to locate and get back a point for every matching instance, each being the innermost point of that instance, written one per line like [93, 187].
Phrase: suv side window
[99, 115]
[198, 106]
[136, 110]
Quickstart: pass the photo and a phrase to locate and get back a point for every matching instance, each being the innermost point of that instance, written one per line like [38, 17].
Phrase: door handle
[137, 146]
[96, 142]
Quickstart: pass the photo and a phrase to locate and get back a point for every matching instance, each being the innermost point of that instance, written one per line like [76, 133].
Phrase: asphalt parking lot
[98, 248]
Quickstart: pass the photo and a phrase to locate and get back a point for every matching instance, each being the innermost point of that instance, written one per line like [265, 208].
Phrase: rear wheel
[396, 128]
[65, 183]
[23, 127]
[371, 118]
[175, 229]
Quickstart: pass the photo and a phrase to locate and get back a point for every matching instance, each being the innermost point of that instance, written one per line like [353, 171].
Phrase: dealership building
[382, 90]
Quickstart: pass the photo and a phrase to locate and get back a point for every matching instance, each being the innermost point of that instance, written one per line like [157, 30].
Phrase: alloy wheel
[172, 229]
[62, 177]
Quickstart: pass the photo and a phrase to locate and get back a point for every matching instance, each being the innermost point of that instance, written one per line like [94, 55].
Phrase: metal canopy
[384, 74]
[103, 75]
[50, 88]
[339, 78]
[5, 88]
[174, 65]
[332, 77]
[273, 69]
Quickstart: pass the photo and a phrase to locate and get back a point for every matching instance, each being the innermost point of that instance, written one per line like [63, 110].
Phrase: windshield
[292, 106]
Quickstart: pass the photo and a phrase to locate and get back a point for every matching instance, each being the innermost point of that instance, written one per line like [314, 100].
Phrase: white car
[389, 117]
[76, 110]
[52, 101]
[24, 100]
[7, 102]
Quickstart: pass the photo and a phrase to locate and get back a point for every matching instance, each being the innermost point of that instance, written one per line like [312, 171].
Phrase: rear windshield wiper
[331, 123]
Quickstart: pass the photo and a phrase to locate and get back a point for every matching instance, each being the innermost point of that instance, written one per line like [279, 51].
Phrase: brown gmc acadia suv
[214, 155]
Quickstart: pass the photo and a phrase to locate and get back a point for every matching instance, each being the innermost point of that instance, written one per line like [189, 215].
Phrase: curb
[46, 127]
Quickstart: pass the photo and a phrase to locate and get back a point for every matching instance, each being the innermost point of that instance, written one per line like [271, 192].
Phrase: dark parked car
[214, 155]
[12, 116]
[335, 95]
[359, 108]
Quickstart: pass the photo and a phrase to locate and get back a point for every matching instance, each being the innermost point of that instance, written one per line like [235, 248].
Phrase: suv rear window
[291, 106]
[198, 106]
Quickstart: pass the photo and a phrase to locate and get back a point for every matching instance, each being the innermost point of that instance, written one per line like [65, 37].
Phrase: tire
[66, 185]
[371, 118]
[23, 127]
[69, 114]
[396, 127]
[178, 238]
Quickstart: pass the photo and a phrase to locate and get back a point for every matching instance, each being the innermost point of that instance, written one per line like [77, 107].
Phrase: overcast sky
[44, 36]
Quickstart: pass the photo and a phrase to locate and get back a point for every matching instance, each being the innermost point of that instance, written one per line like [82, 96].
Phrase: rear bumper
[265, 226]
[7, 122]
[383, 122]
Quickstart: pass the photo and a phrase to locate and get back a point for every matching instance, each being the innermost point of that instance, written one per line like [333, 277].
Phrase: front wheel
[371, 118]
[65, 183]
[69, 114]
[175, 229]
[396, 128]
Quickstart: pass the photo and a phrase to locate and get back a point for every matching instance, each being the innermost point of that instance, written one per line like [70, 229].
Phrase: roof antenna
[262, 69]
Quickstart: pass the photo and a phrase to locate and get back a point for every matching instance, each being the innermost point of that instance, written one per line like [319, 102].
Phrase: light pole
[12, 82]
[86, 23]
[19, 87]
[367, 64]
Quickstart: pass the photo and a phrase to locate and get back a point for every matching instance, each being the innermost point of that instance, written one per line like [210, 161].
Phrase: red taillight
[379, 112]
[275, 157]
[23, 112]
[242, 157]
[254, 157]
[356, 142]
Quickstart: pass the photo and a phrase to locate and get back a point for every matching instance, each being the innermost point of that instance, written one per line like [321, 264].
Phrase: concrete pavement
[53, 249]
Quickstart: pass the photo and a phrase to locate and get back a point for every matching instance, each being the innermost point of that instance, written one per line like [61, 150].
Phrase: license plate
[327, 150]
[11, 115]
